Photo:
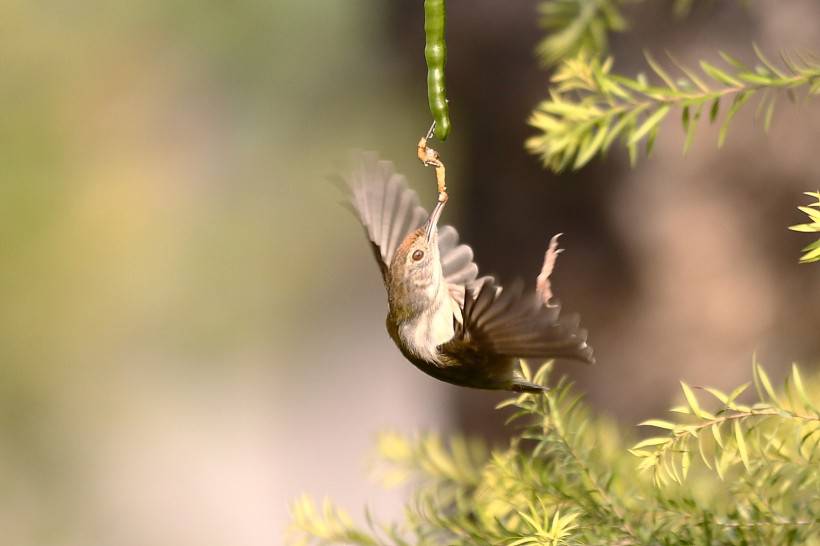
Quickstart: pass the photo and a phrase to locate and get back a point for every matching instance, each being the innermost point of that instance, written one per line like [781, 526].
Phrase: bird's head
[415, 271]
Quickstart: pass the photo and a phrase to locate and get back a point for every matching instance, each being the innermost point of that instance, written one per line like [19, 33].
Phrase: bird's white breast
[423, 333]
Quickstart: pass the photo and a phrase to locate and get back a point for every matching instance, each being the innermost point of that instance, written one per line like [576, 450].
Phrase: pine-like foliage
[575, 26]
[589, 107]
[723, 473]
[812, 251]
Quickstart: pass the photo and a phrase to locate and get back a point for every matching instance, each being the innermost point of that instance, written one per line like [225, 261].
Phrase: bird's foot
[430, 158]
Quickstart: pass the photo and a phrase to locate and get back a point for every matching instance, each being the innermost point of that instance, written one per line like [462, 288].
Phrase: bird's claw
[430, 158]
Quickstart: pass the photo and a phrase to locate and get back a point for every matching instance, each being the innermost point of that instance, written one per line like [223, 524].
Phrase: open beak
[430, 226]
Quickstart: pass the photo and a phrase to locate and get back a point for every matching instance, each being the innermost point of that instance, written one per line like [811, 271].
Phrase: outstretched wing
[504, 322]
[385, 206]
[511, 323]
[389, 211]
[460, 271]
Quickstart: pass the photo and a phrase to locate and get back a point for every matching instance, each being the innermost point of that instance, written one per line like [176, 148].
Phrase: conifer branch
[590, 107]
[812, 251]
[575, 26]
[568, 478]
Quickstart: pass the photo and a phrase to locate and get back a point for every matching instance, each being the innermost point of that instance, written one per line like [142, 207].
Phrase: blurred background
[192, 330]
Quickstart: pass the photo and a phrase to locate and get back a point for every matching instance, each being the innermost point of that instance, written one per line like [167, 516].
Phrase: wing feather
[456, 260]
[389, 210]
[512, 323]
[407, 204]
[385, 206]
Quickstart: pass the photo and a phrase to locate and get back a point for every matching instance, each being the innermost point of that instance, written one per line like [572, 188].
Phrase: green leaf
[689, 126]
[588, 150]
[741, 446]
[719, 75]
[649, 442]
[769, 114]
[805, 437]
[716, 433]
[620, 125]
[660, 71]
[813, 215]
[738, 391]
[690, 75]
[721, 464]
[762, 378]
[658, 423]
[732, 61]
[812, 253]
[692, 400]
[766, 62]
[702, 451]
[650, 141]
[505, 403]
[739, 100]
[632, 149]
[533, 523]
[713, 111]
[524, 540]
[717, 394]
[671, 469]
[649, 123]
[797, 381]
[804, 228]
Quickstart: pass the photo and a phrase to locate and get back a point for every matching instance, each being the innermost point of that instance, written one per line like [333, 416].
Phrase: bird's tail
[520, 385]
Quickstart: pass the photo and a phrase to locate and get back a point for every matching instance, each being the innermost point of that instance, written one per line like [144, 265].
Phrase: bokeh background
[191, 331]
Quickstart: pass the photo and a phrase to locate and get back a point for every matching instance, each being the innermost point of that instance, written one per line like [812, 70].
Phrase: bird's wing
[389, 210]
[460, 271]
[385, 206]
[512, 323]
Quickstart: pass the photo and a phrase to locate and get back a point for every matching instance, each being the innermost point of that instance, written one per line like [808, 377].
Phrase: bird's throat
[422, 333]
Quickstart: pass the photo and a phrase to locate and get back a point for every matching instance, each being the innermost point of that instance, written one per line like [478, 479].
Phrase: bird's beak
[430, 226]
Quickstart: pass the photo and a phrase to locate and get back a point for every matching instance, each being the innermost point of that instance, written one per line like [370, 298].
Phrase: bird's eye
[418, 255]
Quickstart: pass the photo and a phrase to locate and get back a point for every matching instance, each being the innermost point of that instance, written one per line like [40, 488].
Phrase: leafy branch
[567, 477]
[812, 251]
[777, 428]
[458, 462]
[576, 26]
[590, 107]
[560, 434]
[330, 525]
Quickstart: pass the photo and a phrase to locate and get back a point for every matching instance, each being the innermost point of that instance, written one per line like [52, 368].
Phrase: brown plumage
[450, 323]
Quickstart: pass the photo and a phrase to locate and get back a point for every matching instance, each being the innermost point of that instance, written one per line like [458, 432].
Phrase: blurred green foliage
[583, 26]
[812, 251]
[723, 473]
[575, 26]
[590, 108]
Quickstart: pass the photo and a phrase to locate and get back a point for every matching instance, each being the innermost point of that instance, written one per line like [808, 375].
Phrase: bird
[446, 320]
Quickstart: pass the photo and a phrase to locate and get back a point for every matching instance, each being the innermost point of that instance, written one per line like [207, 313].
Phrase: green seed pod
[435, 53]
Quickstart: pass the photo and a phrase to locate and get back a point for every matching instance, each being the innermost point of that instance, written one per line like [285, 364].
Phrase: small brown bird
[447, 321]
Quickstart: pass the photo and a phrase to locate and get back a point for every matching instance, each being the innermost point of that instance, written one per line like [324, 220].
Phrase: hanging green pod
[435, 53]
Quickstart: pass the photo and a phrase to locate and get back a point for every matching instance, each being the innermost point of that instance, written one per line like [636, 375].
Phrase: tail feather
[520, 385]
